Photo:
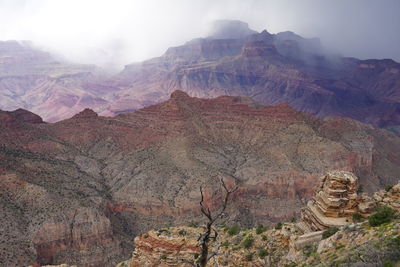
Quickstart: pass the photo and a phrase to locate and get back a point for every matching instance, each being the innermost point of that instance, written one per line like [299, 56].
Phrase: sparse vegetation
[260, 229]
[360, 189]
[182, 232]
[225, 244]
[329, 232]
[357, 217]
[163, 257]
[383, 214]
[388, 188]
[248, 241]
[278, 226]
[249, 257]
[193, 224]
[262, 253]
[233, 230]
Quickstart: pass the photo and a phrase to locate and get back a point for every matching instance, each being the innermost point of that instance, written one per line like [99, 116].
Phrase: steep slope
[35, 80]
[234, 60]
[270, 68]
[76, 191]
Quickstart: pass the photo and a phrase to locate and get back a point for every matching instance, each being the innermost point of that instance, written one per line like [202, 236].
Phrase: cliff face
[272, 69]
[335, 202]
[35, 80]
[80, 189]
[354, 244]
[234, 60]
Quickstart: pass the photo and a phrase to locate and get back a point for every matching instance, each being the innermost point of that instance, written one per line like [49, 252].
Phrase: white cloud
[118, 32]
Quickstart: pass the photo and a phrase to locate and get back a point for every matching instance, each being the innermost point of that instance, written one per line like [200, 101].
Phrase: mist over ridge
[115, 33]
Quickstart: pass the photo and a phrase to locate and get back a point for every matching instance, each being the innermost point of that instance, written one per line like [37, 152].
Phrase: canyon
[77, 191]
[234, 60]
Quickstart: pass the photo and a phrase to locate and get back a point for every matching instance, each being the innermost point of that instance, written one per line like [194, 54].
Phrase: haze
[114, 33]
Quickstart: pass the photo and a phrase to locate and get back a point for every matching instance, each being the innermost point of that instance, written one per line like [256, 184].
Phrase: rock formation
[234, 60]
[335, 202]
[389, 198]
[142, 170]
[287, 245]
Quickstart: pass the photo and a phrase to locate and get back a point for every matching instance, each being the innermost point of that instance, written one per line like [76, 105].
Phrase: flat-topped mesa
[390, 197]
[335, 202]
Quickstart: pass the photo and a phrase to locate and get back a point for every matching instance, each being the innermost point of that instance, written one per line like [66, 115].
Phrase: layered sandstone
[142, 170]
[235, 60]
[389, 198]
[335, 201]
[166, 247]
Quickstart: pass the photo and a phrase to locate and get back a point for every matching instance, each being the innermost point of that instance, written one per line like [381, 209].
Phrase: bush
[262, 253]
[357, 217]
[278, 226]
[388, 264]
[182, 232]
[248, 242]
[360, 189]
[163, 257]
[260, 229]
[193, 224]
[329, 232]
[293, 220]
[388, 187]
[264, 238]
[233, 230]
[384, 214]
[249, 257]
[225, 244]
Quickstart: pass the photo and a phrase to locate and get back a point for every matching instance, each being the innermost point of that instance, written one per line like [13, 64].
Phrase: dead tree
[205, 237]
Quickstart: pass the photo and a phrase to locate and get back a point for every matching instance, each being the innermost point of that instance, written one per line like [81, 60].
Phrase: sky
[112, 33]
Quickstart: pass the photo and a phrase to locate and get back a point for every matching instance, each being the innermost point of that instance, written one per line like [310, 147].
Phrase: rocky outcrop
[234, 60]
[166, 247]
[288, 244]
[82, 237]
[142, 170]
[335, 202]
[389, 197]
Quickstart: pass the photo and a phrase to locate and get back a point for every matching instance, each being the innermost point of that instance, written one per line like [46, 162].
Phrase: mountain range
[234, 60]
[76, 191]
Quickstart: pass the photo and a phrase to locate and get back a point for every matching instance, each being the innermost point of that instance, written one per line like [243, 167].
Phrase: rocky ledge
[335, 202]
[290, 244]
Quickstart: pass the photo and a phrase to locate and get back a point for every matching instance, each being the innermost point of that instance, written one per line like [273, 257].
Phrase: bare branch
[205, 237]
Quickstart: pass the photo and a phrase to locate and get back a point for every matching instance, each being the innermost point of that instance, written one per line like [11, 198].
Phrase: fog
[114, 33]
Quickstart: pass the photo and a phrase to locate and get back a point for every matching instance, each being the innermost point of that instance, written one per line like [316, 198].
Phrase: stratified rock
[335, 202]
[141, 170]
[166, 247]
[389, 198]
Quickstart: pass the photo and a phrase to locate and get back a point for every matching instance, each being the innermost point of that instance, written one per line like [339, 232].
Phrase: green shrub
[193, 224]
[260, 229]
[248, 241]
[182, 232]
[163, 257]
[357, 217]
[293, 220]
[249, 257]
[262, 253]
[329, 232]
[388, 187]
[388, 264]
[225, 244]
[278, 226]
[360, 189]
[264, 238]
[384, 214]
[233, 230]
